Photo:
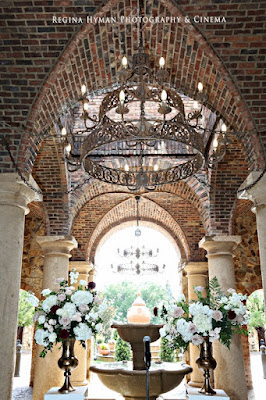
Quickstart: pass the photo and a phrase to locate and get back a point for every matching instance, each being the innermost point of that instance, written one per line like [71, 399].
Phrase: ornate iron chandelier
[139, 134]
[138, 255]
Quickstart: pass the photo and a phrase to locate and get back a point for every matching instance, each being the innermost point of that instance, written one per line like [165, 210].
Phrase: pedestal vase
[206, 363]
[67, 362]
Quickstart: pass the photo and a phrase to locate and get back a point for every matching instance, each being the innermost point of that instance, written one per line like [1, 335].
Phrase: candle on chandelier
[86, 106]
[162, 62]
[196, 105]
[124, 62]
[83, 90]
[63, 131]
[215, 143]
[163, 95]
[200, 87]
[122, 96]
[68, 148]
[126, 168]
[224, 128]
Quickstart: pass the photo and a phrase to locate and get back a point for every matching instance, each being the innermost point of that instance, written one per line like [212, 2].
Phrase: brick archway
[187, 51]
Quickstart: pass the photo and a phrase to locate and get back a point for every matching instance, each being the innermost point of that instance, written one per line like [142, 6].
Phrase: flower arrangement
[214, 315]
[68, 313]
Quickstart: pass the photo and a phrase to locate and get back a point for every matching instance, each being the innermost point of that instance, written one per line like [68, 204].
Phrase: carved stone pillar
[229, 374]
[15, 195]
[197, 274]
[257, 194]
[56, 265]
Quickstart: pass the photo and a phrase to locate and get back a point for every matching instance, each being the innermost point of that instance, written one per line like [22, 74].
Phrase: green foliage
[166, 352]
[122, 295]
[122, 350]
[26, 310]
[255, 307]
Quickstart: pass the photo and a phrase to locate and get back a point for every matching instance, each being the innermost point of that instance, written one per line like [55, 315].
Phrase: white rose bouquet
[68, 313]
[214, 315]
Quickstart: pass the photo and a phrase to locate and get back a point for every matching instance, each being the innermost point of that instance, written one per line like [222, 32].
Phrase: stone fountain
[130, 379]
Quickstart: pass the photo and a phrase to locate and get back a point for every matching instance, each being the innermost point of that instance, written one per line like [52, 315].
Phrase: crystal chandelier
[139, 133]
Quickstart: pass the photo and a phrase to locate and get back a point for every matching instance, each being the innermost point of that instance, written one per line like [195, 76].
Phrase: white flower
[197, 339]
[203, 323]
[182, 327]
[32, 300]
[99, 327]
[73, 277]
[68, 292]
[49, 302]
[82, 332]
[199, 308]
[45, 292]
[52, 337]
[215, 334]
[198, 289]
[181, 297]
[82, 282]
[231, 290]
[67, 311]
[82, 297]
[41, 319]
[40, 336]
[61, 296]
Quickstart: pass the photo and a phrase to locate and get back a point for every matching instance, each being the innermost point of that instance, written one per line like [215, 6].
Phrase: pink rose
[61, 297]
[217, 315]
[192, 328]
[65, 321]
[83, 308]
[68, 292]
[197, 339]
[77, 317]
[178, 312]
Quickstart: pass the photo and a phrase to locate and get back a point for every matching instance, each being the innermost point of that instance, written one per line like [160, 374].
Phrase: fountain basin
[131, 384]
[134, 334]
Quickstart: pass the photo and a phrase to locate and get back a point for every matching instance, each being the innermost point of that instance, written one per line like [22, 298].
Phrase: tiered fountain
[130, 381]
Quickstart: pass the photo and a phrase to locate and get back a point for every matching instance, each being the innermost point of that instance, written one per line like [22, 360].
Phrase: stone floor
[21, 390]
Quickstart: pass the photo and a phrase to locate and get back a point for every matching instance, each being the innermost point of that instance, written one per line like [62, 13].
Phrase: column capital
[15, 193]
[82, 267]
[219, 245]
[257, 193]
[197, 268]
[57, 245]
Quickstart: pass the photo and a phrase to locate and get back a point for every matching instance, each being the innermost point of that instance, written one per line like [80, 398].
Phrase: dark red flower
[91, 285]
[244, 302]
[155, 311]
[231, 314]
[53, 309]
[64, 334]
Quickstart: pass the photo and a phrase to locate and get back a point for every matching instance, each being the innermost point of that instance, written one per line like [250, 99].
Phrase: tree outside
[26, 311]
[255, 307]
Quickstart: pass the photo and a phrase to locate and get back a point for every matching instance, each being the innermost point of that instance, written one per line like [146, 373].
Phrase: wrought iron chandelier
[138, 255]
[138, 135]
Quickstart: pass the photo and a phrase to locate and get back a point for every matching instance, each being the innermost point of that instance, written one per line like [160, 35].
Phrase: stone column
[79, 375]
[14, 197]
[56, 265]
[229, 374]
[257, 194]
[197, 274]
